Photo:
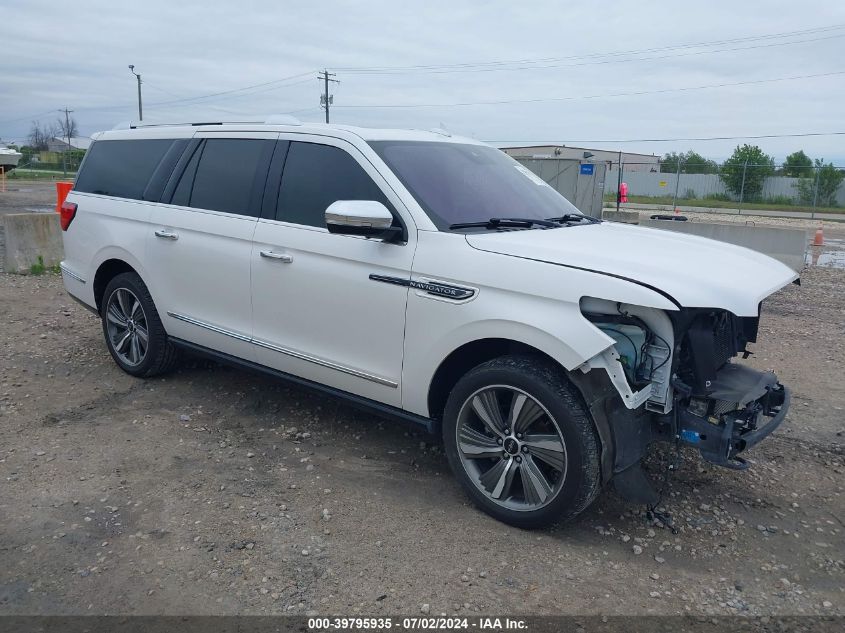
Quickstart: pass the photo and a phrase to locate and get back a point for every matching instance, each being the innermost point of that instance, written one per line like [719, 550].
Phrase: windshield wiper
[499, 223]
[574, 217]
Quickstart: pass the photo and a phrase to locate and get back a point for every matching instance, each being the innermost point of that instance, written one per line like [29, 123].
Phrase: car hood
[695, 271]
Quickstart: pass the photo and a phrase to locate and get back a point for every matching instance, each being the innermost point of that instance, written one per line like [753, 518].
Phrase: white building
[632, 161]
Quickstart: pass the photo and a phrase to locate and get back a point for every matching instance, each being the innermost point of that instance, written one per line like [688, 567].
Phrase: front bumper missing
[744, 407]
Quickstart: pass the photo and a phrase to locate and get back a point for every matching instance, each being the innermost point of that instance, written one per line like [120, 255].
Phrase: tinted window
[182, 194]
[457, 182]
[317, 175]
[162, 174]
[228, 174]
[121, 168]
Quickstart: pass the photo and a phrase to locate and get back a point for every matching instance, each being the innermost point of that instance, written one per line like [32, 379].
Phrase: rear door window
[315, 176]
[230, 175]
[121, 168]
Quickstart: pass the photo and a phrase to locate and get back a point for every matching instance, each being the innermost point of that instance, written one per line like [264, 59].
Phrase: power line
[167, 92]
[29, 116]
[234, 90]
[304, 110]
[352, 69]
[670, 140]
[619, 61]
[550, 62]
[191, 101]
[599, 96]
[235, 96]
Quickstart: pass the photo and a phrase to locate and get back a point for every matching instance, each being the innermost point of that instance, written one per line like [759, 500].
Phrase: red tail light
[67, 213]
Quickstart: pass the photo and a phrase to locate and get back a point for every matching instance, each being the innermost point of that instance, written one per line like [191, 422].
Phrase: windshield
[457, 183]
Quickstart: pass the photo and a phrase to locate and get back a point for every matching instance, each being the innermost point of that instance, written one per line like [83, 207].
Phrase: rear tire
[521, 443]
[133, 330]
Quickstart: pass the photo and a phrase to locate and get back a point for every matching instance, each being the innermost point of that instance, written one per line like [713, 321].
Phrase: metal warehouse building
[631, 160]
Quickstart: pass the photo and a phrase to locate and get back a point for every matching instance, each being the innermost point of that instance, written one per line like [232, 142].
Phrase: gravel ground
[22, 196]
[216, 491]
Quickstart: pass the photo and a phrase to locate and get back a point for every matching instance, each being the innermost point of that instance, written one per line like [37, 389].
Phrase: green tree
[822, 186]
[691, 163]
[27, 151]
[746, 170]
[798, 165]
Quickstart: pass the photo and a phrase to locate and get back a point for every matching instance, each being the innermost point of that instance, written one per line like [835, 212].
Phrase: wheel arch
[471, 354]
[107, 271]
[595, 390]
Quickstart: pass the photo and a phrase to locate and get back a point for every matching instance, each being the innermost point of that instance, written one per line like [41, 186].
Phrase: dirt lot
[219, 491]
[22, 196]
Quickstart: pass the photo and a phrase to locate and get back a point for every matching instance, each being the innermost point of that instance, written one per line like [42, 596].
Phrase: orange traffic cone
[818, 240]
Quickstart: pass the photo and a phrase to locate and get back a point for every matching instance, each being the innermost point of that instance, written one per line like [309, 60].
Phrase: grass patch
[39, 174]
[39, 268]
[719, 203]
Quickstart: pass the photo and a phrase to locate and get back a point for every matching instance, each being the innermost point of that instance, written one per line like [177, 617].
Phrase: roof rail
[275, 119]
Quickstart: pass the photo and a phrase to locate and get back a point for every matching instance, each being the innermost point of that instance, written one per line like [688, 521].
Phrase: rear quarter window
[121, 168]
[230, 175]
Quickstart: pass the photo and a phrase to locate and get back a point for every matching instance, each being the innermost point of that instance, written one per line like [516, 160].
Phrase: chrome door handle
[285, 259]
[167, 235]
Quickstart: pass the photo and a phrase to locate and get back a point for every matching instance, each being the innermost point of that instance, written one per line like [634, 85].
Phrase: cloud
[76, 56]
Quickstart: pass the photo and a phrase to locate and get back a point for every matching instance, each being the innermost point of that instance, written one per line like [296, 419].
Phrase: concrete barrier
[29, 236]
[628, 217]
[785, 245]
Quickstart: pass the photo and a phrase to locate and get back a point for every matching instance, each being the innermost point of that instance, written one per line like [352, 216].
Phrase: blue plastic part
[691, 437]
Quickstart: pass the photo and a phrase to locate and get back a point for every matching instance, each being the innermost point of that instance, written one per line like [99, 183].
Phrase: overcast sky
[76, 54]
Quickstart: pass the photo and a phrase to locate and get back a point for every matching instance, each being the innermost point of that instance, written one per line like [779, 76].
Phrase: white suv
[431, 278]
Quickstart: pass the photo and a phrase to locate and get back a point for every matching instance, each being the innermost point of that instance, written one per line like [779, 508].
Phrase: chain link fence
[66, 166]
[728, 186]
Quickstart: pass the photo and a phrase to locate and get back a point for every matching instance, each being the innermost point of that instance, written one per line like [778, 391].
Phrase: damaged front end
[670, 377]
[722, 408]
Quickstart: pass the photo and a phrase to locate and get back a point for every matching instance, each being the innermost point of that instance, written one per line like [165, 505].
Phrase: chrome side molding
[71, 274]
[326, 363]
[209, 326]
[288, 352]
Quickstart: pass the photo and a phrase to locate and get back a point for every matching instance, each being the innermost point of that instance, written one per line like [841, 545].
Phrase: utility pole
[326, 99]
[67, 133]
[742, 188]
[619, 183]
[140, 110]
[677, 183]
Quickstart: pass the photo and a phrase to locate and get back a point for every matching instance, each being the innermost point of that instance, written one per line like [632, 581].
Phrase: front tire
[521, 442]
[133, 330]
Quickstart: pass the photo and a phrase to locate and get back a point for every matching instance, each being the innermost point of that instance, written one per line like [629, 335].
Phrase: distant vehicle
[9, 158]
[431, 278]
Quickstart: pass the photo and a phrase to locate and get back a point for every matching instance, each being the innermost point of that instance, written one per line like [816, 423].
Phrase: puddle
[39, 209]
[831, 255]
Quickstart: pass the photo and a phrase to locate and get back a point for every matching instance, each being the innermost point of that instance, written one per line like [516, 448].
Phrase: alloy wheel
[511, 447]
[126, 325]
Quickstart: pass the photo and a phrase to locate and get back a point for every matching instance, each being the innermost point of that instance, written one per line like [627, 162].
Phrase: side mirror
[366, 218]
